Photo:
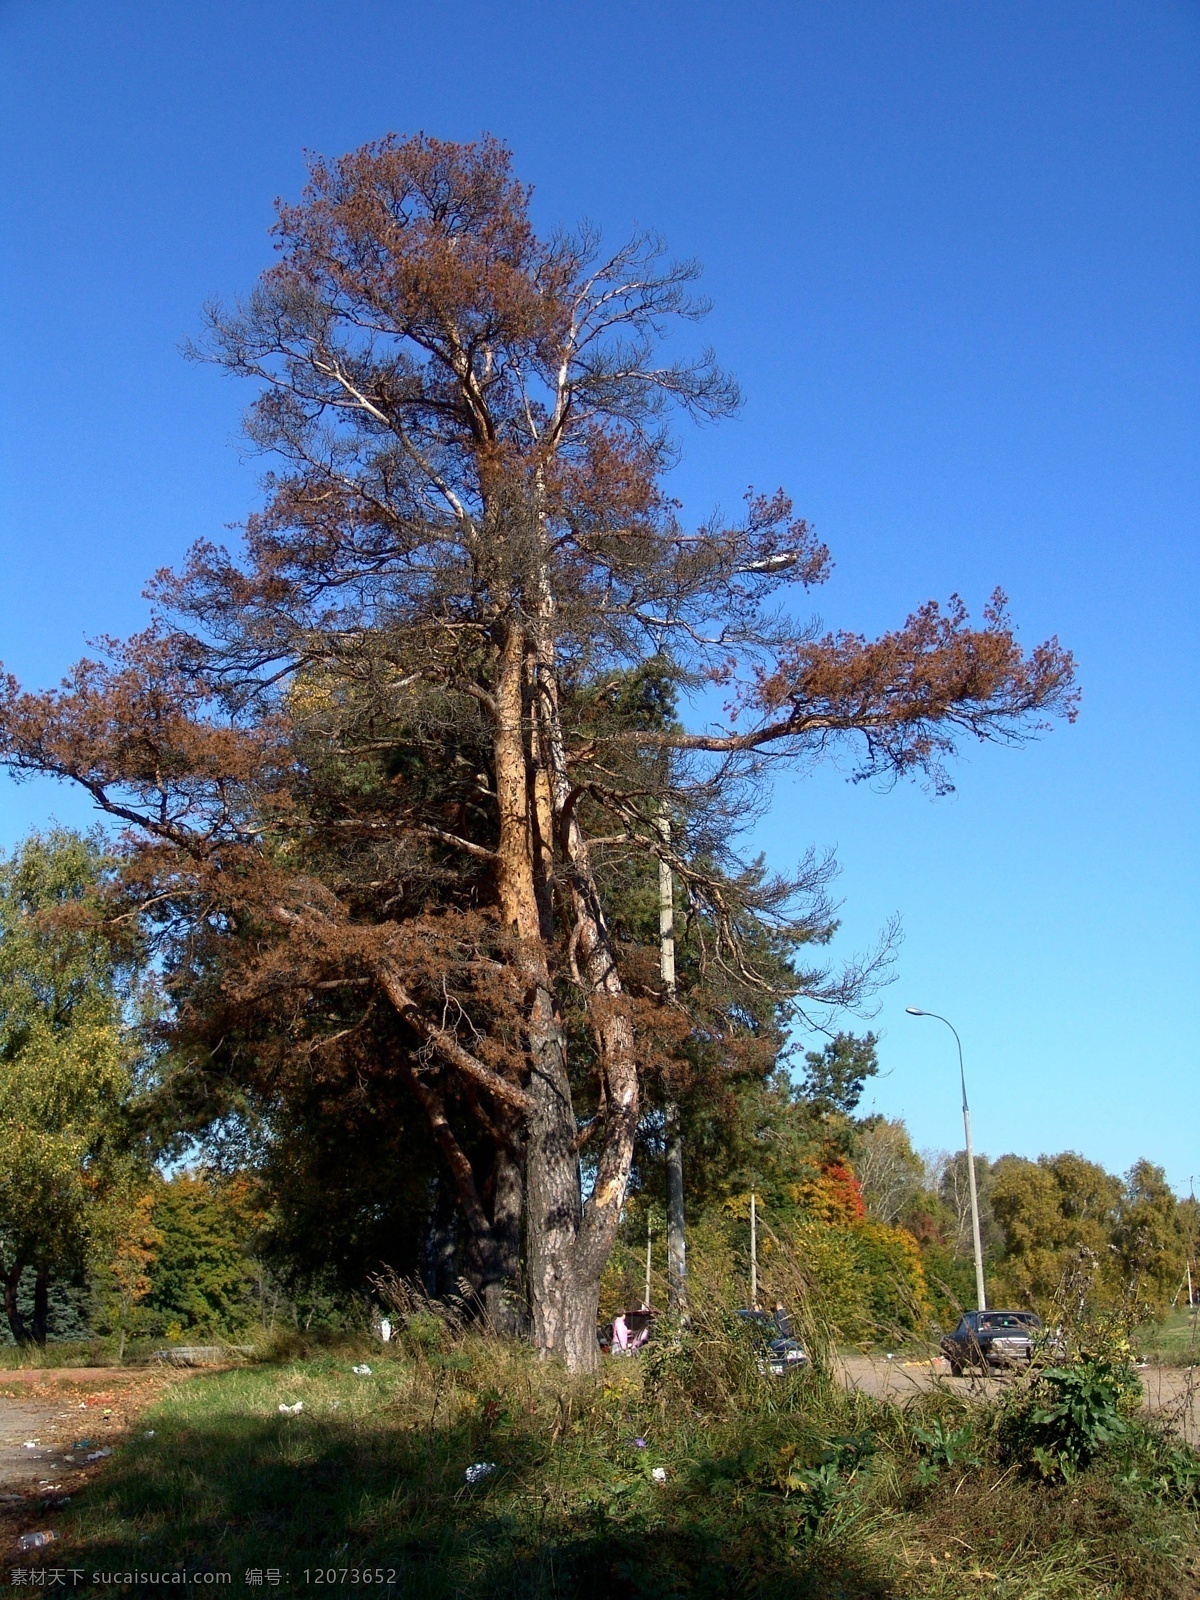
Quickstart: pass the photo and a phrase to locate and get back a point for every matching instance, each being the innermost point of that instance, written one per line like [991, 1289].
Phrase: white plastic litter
[362, 1372]
[481, 1470]
[659, 1474]
[291, 1411]
[99, 1455]
[385, 1330]
[31, 1444]
[149, 1433]
[35, 1541]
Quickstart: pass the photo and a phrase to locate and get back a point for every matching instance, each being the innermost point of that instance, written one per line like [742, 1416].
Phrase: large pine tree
[468, 528]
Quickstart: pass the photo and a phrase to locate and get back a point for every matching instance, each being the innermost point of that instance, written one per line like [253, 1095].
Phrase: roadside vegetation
[687, 1472]
[1173, 1342]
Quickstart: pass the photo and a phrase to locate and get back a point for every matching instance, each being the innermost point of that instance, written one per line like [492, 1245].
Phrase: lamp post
[914, 1011]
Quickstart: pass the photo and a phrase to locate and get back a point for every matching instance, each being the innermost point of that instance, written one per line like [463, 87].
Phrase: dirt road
[29, 1430]
[1170, 1392]
[58, 1427]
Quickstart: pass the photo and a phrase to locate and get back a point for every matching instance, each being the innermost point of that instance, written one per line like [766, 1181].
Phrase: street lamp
[914, 1011]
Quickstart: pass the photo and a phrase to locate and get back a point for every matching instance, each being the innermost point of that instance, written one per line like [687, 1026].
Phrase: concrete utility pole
[753, 1254]
[676, 1239]
[649, 1258]
[914, 1011]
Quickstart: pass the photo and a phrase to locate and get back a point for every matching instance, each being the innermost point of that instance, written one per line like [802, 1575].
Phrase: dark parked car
[991, 1339]
[781, 1353]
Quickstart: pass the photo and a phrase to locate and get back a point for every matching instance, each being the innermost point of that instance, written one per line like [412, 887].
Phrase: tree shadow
[297, 1496]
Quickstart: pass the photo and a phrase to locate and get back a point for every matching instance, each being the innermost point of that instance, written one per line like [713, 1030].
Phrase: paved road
[1171, 1392]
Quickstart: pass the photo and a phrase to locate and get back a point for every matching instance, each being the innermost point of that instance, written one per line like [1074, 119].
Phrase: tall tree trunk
[553, 1210]
[567, 1242]
[12, 1310]
[608, 1014]
[552, 1195]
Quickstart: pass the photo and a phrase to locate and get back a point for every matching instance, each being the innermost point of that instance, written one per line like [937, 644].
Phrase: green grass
[1173, 1343]
[788, 1490]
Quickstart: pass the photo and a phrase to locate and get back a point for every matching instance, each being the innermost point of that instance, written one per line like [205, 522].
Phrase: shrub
[1068, 1417]
[892, 1275]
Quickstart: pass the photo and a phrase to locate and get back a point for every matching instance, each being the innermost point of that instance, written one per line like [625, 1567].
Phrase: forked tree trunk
[567, 1242]
[578, 1237]
[553, 1203]
[608, 1013]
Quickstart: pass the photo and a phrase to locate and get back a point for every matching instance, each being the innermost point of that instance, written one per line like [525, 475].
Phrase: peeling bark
[580, 1235]
[552, 1199]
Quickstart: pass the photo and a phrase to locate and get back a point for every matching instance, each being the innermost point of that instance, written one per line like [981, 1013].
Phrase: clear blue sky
[953, 251]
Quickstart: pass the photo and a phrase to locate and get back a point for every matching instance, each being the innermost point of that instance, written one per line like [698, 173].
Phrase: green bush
[1068, 1417]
